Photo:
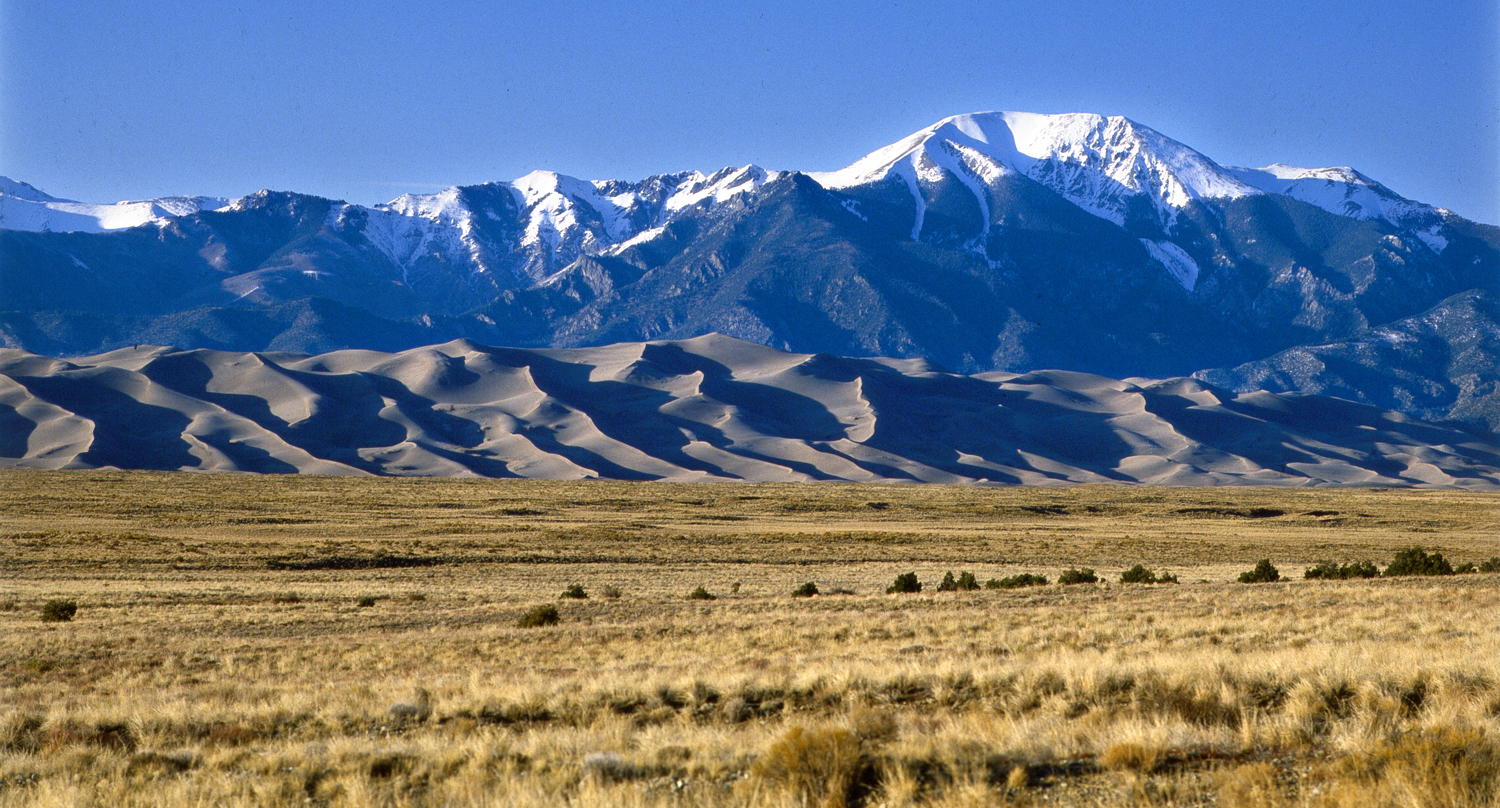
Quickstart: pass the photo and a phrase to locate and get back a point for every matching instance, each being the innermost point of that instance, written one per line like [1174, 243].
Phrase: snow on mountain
[1177, 262]
[600, 214]
[23, 207]
[22, 190]
[1099, 163]
[1341, 190]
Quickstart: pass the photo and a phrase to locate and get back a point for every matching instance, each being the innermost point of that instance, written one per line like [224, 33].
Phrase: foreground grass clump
[59, 611]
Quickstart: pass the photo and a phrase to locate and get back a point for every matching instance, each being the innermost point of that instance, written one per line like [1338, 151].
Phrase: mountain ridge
[988, 241]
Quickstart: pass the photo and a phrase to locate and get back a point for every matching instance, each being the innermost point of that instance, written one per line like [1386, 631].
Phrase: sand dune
[700, 409]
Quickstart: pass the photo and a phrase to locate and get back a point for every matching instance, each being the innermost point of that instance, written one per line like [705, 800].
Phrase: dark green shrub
[575, 592]
[949, 584]
[544, 615]
[1493, 565]
[967, 582]
[701, 594]
[59, 611]
[1078, 576]
[906, 583]
[1016, 581]
[1262, 574]
[806, 590]
[1330, 571]
[1140, 575]
[365, 602]
[1465, 568]
[1412, 561]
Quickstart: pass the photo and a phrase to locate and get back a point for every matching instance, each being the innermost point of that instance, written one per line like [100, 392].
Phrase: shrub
[544, 615]
[949, 584]
[1078, 576]
[701, 594]
[611, 592]
[1465, 568]
[1412, 561]
[575, 592]
[59, 611]
[365, 602]
[1263, 573]
[1493, 565]
[806, 590]
[1330, 571]
[967, 582]
[1016, 581]
[1140, 575]
[905, 583]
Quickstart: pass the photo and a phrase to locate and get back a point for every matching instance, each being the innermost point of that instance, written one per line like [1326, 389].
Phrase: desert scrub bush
[1078, 576]
[59, 611]
[365, 602]
[806, 590]
[544, 615]
[1413, 561]
[1263, 573]
[575, 592]
[1016, 581]
[905, 583]
[1493, 565]
[965, 582]
[611, 592]
[1330, 571]
[701, 594]
[1140, 575]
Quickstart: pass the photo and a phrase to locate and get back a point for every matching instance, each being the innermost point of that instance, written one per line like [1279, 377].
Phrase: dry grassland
[220, 654]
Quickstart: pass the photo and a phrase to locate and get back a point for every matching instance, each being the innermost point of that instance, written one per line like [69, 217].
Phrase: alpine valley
[990, 242]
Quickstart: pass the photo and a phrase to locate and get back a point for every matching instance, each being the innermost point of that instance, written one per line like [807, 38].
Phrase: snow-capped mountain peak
[1096, 162]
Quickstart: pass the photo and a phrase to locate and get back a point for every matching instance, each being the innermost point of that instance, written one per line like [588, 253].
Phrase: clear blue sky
[363, 101]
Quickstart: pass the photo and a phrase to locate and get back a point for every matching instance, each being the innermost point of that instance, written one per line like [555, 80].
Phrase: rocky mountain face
[993, 241]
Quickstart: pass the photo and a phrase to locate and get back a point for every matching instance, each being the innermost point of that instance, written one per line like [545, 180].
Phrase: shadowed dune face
[706, 408]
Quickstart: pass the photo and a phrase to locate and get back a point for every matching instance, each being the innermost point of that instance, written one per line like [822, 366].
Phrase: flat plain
[297, 640]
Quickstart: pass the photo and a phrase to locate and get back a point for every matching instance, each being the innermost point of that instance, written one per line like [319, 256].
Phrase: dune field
[701, 409]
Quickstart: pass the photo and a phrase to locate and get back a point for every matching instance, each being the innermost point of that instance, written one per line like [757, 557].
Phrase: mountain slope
[991, 241]
[701, 409]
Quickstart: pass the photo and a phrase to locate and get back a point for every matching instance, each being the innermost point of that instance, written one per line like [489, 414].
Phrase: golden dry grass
[220, 655]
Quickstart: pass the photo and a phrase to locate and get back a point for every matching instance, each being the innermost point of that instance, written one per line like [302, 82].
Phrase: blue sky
[363, 101]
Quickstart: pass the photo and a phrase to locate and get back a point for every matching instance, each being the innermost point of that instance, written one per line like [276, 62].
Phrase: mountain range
[1001, 241]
